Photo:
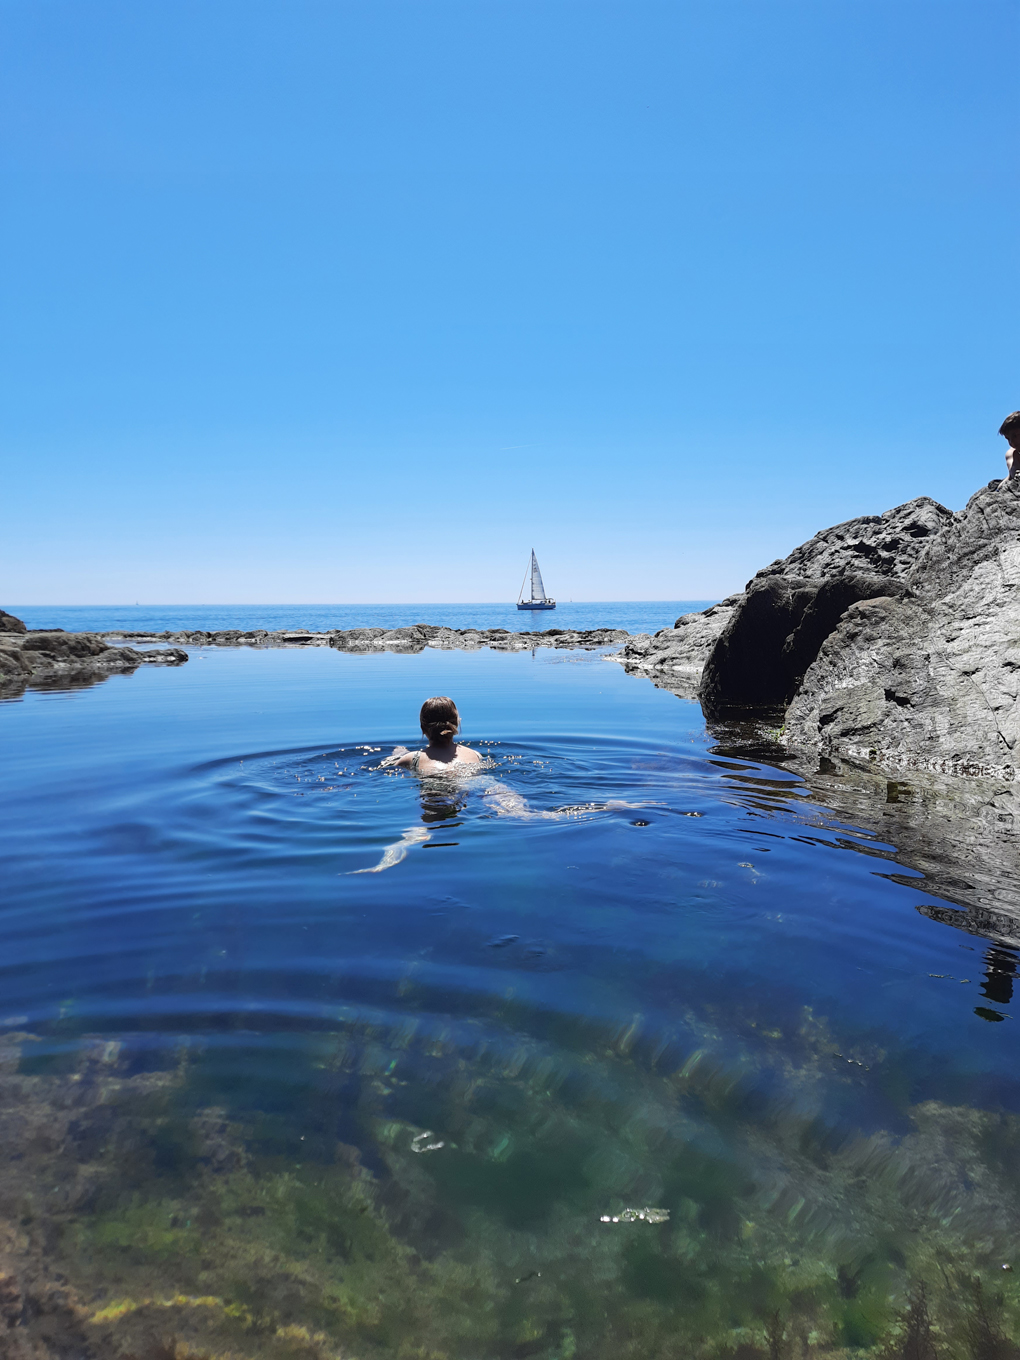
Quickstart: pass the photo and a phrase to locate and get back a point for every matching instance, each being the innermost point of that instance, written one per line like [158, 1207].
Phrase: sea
[636, 616]
[622, 1046]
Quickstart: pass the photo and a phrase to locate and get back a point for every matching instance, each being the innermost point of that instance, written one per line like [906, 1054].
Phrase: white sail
[537, 588]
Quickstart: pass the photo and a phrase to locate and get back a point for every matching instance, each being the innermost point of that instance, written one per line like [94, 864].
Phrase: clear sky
[322, 301]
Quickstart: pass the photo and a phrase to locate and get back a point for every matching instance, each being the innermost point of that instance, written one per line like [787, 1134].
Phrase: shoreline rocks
[414, 638]
[53, 659]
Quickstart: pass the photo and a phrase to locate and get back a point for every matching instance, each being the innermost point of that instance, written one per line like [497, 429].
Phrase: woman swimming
[443, 756]
[439, 721]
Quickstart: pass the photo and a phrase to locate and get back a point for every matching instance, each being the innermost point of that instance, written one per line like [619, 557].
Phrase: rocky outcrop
[674, 658]
[910, 664]
[414, 638]
[9, 624]
[864, 552]
[421, 635]
[761, 656]
[54, 659]
[877, 545]
[930, 680]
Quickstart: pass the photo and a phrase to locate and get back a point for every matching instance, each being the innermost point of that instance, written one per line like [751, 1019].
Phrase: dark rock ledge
[53, 659]
[891, 640]
[414, 638]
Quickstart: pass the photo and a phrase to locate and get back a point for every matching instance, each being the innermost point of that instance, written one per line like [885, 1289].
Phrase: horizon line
[336, 604]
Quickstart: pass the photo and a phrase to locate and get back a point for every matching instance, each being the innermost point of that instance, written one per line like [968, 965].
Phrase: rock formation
[414, 638]
[929, 680]
[674, 658]
[771, 631]
[51, 659]
[892, 638]
[420, 635]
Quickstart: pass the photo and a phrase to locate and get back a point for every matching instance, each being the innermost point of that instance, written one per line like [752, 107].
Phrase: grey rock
[355, 639]
[412, 638]
[418, 636]
[51, 659]
[10, 624]
[776, 628]
[675, 657]
[774, 635]
[929, 681]
[876, 545]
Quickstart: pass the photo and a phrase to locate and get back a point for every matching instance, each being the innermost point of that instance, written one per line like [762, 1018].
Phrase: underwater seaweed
[136, 1216]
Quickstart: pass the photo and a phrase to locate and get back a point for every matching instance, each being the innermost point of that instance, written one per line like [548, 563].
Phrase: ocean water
[636, 616]
[618, 1048]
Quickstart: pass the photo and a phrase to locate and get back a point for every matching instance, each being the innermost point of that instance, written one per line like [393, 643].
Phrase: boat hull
[549, 604]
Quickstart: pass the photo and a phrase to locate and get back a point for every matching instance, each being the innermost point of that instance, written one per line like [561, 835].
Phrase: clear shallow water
[635, 616]
[612, 972]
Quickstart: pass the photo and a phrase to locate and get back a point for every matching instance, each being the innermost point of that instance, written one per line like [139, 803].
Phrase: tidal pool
[625, 1048]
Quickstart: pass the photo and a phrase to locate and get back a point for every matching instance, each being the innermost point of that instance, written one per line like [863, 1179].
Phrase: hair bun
[439, 718]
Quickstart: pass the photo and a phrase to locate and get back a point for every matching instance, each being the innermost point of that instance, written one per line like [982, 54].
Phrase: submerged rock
[137, 1221]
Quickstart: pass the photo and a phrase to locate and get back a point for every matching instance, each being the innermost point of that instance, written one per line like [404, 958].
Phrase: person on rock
[439, 721]
[1010, 431]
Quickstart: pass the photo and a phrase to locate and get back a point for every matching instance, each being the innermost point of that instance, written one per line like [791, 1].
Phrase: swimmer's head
[439, 718]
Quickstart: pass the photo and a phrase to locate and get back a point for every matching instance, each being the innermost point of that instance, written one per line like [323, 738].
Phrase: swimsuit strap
[414, 761]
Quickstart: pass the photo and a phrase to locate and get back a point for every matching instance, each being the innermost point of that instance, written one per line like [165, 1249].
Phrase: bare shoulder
[466, 754]
[401, 756]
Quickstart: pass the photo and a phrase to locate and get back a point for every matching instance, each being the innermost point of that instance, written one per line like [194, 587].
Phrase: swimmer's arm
[401, 756]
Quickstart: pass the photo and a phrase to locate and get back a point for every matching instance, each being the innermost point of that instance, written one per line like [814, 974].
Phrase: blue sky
[359, 302]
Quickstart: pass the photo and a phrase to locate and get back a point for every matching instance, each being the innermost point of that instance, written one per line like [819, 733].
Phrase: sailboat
[538, 598]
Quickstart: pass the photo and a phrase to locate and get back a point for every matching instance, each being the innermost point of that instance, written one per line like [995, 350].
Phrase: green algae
[205, 1229]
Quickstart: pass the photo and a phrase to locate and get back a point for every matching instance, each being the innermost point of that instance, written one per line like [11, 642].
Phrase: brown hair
[439, 718]
[1011, 425]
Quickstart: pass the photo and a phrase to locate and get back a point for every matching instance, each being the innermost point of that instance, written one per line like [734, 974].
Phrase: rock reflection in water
[1000, 970]
[958, 832]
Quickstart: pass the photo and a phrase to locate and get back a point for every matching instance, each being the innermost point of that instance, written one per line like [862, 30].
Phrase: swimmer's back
[424, 763]
[439, 722]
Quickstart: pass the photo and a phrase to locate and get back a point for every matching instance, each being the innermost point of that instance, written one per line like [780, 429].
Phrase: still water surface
[629, 1051]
